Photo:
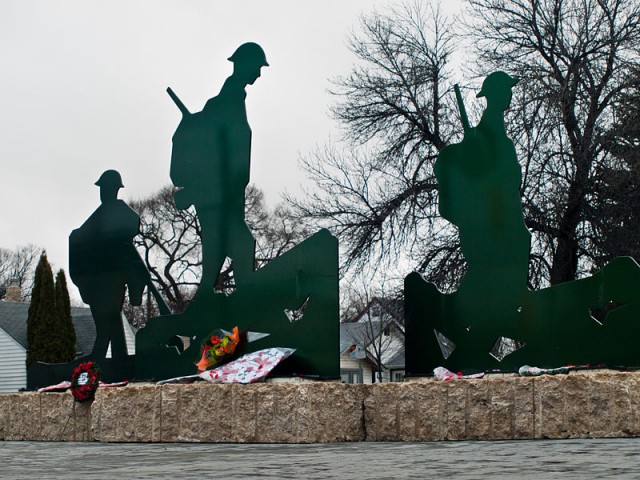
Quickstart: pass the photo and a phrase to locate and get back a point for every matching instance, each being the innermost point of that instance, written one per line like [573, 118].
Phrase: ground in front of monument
[548, 459]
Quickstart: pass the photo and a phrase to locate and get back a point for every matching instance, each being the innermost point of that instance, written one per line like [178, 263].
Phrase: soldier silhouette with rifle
[479, 186]
[210, 168]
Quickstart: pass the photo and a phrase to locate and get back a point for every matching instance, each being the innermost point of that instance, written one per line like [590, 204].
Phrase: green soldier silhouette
[493, 321]
[103, 262]
[479, 185]
[210, 164]
[210, 167]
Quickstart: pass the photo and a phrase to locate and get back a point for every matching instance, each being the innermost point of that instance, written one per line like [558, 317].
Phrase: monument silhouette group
[492, 322]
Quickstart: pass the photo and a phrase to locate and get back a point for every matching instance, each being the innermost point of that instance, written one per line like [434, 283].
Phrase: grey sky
[82, 90]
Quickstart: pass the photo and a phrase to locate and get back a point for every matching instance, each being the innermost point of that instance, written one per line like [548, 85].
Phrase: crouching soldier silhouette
[103, 262]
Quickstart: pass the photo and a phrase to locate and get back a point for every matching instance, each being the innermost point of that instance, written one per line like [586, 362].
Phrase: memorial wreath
[85, 381]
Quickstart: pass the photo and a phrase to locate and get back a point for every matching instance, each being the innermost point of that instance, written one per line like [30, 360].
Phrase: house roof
[13, 320]
[361, 333]
[353, 334]
[392, 307]
[397, 361]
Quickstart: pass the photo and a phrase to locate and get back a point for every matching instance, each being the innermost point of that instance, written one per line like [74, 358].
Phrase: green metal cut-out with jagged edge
[294, 299]
[493, 321]
[210, 169]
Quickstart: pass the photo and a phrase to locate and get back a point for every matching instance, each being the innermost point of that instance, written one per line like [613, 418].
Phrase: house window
[397, 376]
[351, 375]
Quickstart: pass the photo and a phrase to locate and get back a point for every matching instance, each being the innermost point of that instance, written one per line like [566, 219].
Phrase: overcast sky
[82, 90]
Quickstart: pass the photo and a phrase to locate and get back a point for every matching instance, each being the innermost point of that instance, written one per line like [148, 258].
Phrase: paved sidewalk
[544, 459]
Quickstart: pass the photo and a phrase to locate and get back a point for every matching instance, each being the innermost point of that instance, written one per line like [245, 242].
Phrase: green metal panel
[294, 299]
[210, 169]
[493, 321]
[307, 271]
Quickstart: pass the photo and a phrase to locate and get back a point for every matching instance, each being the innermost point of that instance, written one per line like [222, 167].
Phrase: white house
[356, 365]
[13, 341]
[372, 342]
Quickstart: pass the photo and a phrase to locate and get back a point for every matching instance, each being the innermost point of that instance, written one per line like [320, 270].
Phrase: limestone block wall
[602, 404]
[591, 405]
[44, 417]
[260, 413]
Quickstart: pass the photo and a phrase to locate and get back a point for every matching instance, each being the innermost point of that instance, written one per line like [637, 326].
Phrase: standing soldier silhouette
[479, 186]
[103, 262]
[493, 320]
[210, 167]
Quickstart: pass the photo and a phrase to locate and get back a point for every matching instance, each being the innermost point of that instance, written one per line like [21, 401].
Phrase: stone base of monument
[578, 405]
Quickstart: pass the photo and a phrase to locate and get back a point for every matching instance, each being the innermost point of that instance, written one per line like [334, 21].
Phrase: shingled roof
[13, 320]
[357, 334]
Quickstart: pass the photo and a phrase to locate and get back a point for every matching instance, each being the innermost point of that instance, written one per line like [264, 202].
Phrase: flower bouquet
[218, 348]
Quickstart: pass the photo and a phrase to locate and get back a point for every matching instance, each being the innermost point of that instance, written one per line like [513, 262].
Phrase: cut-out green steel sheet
[210, 169]
[258, 305]
[493, 321]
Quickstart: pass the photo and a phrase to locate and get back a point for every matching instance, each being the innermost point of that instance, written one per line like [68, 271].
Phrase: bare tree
[17, 267]
[379, 195]
[275, 230]
[576, 59]
[620, 184]
[169, 242]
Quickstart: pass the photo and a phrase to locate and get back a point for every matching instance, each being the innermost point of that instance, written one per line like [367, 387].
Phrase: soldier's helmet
[496, 82]
[110, 178]
[250, 53]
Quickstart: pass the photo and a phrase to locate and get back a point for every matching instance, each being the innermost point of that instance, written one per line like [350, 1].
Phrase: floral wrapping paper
[249, 368]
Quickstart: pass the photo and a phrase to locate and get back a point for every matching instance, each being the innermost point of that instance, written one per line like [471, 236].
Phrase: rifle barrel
[178, 102]
[463, 112]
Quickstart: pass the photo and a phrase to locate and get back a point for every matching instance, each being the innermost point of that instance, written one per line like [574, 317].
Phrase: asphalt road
[544, 459]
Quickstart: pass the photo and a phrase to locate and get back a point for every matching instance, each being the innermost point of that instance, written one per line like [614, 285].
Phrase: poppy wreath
[85, 381]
